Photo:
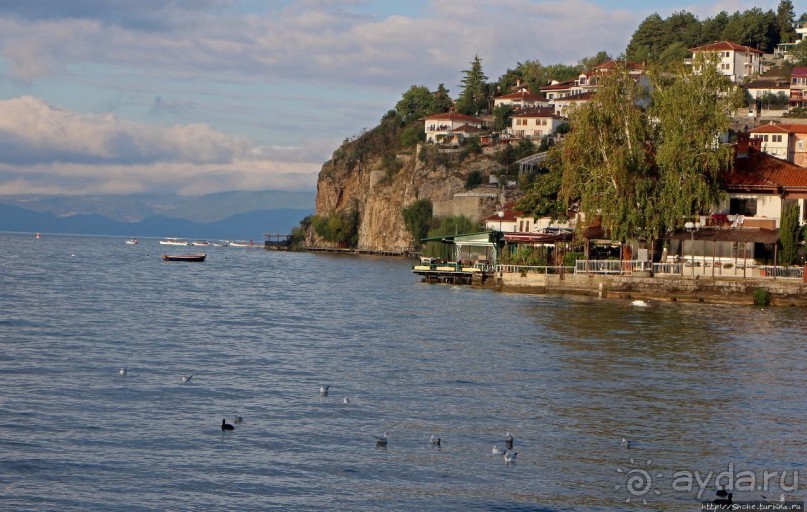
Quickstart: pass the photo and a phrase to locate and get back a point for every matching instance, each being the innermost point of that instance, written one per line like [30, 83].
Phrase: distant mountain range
[228, 215]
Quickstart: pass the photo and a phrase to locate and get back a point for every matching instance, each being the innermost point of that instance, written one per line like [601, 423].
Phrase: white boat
[201, 242]
[221, 243]
[173, 241]
[132, 241]
[240, 243]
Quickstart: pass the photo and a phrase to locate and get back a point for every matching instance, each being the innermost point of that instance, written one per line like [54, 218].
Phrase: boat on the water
[184, 257]
[173, 241]
[240, 243]
[221, 243]
[132, 241]
[200, 242]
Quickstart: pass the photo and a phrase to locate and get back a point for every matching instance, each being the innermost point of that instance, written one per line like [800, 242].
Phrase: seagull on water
[625, 443]
[381, 440]
[639, 303]
[508, 440]
[187, 378]
[434, 440]
[226, 426]
[323, 389]
[498, 451]
[510, 457]
[238, 419]
[123, 372]
[346, 401]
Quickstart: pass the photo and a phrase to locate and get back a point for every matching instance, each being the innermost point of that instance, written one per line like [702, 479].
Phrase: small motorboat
[132, 241]
[184, 257]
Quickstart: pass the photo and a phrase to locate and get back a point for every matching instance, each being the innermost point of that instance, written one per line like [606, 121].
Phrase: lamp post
[692, 227]
[500, 214]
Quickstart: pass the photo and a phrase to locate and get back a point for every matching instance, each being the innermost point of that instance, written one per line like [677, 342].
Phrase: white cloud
[48, 148]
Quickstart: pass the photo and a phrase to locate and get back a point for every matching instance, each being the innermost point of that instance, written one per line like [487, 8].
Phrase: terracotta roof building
[736, 61]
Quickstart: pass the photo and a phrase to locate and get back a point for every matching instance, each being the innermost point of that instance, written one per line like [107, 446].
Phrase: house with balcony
[798, 87]
[736, 61]
[782, 50]
[784, 141]
[562, 105]
[521, 100]
[451, 127]
[534, 123]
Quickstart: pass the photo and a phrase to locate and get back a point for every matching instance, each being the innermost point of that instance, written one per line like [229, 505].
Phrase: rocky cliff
[379, 185]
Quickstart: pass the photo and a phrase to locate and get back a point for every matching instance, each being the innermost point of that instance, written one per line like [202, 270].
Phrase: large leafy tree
[691, 111]
[416, 102]
[474, 97]
[642, 163]
[607, 166]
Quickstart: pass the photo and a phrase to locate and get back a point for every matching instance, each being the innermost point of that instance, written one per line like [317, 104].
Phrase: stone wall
[784, 292]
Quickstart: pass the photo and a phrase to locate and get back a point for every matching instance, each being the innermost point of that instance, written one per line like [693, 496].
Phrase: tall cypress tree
[785, 18]
[474, 97]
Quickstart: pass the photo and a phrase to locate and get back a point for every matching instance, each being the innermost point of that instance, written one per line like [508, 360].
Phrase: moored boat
[173, 241]
[200, 242]
[184, 257]
[240, 243]
[132, 241]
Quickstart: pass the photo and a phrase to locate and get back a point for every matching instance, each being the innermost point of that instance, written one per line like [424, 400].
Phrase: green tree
[691, 111]
[590, 62]
[799, 53]
[543, 198]
[501, 117]
[607, 168]
[299, 234]
[474, 97]
[712, 28]
[442, 101]
[785, 21]
[415, 103]
[341, 228]
[645, 44]
[789, 230]
[448, 226]
[418, 218]
[412, 134]
[473, 180]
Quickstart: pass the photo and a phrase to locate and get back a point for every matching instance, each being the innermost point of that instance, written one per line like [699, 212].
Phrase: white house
[520, 100]
[450, 127]
[534, 123]
[785, 141]
[737, 62]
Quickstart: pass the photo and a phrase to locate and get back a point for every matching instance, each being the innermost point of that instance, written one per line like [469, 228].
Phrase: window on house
[800, 144]
[765, 138]
[776, 138]
[526, 225]
[742, 206]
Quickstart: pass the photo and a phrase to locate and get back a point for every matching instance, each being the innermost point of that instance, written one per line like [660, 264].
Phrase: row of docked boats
[198, 243]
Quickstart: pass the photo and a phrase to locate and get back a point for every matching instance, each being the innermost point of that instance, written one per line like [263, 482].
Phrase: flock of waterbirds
[381, 440]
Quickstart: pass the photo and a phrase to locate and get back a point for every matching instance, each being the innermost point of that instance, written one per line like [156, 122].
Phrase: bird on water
[226, 426]
[625, 443]
[123, 372]
[510, 456]
[434, 440]
[381, 440]
[498, 451]
[187, 378]
[323, 389]
[238, 419]
[508, 441]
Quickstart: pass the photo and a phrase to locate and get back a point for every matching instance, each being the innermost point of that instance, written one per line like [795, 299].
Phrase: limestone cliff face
[380, 188]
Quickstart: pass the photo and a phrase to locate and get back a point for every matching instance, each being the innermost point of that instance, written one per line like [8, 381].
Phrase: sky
[201, 96]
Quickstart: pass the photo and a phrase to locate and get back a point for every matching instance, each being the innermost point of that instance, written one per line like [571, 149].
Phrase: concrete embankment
[783, 292]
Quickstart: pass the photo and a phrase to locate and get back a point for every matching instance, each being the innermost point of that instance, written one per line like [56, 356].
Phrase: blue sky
[201, 96]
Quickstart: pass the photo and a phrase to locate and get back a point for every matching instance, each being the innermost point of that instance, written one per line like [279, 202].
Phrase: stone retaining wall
[784, 292]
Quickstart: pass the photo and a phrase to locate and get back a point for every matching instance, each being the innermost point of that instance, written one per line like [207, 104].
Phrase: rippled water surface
[695, 387]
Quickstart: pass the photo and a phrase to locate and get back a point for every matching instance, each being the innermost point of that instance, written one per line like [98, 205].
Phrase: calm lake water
[696, 388]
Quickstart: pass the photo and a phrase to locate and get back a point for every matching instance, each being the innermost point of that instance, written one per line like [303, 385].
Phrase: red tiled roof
[767, 84]
[780, 128]
[468, 129]
[522, 95]
[561, 86]
[510, 214]
[537, 112]
[724, 46]
[799, 71]
[762, 171]
[453, 116]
